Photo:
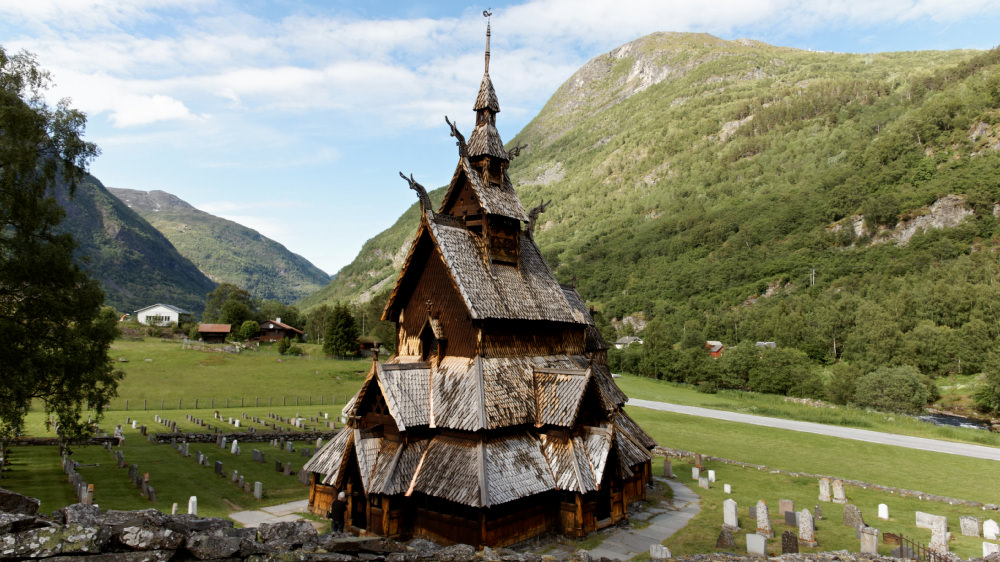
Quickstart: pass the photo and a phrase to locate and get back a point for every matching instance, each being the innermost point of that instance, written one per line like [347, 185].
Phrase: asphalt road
[921, 443]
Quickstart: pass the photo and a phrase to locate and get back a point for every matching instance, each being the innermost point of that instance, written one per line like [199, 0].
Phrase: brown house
[497, 420]
[214, 333]
[275, 330]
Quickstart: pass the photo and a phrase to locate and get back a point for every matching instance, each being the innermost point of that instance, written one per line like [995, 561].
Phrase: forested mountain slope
[842, 205]
[226, 251]
[135, 264]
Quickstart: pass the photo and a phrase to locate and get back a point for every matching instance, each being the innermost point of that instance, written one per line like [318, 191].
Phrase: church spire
[485, 139]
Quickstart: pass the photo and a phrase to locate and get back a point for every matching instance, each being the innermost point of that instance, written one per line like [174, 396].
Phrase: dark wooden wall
[447, 305]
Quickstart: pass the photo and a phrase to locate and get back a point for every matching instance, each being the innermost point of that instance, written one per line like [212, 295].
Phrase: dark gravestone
[789, 543]
[792, 519]
[903, 551]
[725, 539]
[817, 513]
[218, 468]
[278, 467]
[852, 516]
[753, 512]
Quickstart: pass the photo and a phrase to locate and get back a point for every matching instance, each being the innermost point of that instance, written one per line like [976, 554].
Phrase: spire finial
[487, 14]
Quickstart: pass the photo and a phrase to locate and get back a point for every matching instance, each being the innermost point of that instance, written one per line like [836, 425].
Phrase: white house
[161, 315]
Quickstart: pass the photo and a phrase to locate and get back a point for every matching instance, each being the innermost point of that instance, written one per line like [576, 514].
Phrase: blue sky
[294, 117]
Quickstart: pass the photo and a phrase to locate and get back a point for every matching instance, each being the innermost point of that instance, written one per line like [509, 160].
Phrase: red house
[275, 330]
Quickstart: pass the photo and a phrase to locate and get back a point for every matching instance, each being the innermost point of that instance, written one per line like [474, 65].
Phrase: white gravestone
[869, 540]
[883, 511]
[969, 526]
[711, 476]
[193, 505]
[695, 472]
[727, 488]
[235, 448]
[658, 552]
[991, 530]
[756, 544]
[990, 548]
[729, 514]
[703, 482]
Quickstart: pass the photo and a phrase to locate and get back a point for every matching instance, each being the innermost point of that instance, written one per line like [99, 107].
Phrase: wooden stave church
[497, 420]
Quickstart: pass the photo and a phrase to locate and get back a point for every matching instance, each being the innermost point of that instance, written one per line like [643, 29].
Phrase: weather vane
[488, 13]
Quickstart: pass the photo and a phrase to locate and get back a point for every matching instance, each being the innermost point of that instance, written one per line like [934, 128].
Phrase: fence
[211, 403]
[912, 550]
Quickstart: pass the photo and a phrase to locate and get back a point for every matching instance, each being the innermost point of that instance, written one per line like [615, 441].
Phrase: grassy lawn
[936, 473]
[750, 485]
[776, 406]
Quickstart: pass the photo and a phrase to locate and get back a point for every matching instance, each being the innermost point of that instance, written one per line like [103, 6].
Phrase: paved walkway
[271, 514]
[921, 443]
[622, 543]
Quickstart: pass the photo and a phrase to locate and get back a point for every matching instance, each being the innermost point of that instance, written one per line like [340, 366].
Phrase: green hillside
[840, 205]
[225, 251]
[135, 265]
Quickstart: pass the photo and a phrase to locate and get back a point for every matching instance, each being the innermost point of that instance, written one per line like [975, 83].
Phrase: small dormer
[433, 342]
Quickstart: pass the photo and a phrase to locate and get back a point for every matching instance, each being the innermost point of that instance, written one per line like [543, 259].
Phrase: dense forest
[841, 206]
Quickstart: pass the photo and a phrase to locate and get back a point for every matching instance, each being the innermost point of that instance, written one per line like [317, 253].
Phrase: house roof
[495, 199]
[214, 328]
[178, 310]
[282, 326]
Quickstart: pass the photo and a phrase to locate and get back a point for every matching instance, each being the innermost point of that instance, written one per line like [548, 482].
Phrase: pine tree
[341, 333]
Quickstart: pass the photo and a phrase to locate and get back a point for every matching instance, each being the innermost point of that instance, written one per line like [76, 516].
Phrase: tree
[229, 304]
[341, 332]
[317, 322]
[249, 329]
[273, 310]
[892, 389]
[56, 334]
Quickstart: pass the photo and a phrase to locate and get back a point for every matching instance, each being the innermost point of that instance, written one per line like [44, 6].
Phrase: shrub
[249, 329]
[892, 389]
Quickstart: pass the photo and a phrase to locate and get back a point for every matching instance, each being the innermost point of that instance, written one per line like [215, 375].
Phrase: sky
[294, 117]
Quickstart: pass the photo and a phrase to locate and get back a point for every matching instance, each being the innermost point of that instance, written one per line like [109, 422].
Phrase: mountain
[135, 264]
[226, 251]
[843, 205]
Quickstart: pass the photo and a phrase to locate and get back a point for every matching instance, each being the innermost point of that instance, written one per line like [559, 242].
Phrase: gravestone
[725, 539]
[304, 477]
[173, 509]
[824, 489]
[218, 468]
[818, 512]
[668, 469]
[319, 443]
[193, 505]
[786, 506]
[763, 520]
[703, 482]
[277, 466]
[969, 525]
[807, 529]
[904, 551]
[219, 441]
[697, 460]
[926, 520]
[236, 475]
[289, 447]
[288, 469]
[240, 482]
[258, 490]
[852, 516]
[711, 476]
[134, 424]
[730, 519]
[869, 540]
[991, 530]
[756, 544]
[791, 519]
[695, 472]
[990, 548]
[152, 493]
[883, 511]
[727, 488]
[838, 491]
[658, 552]
[235, 449]
[789, 542]
[939, 536]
